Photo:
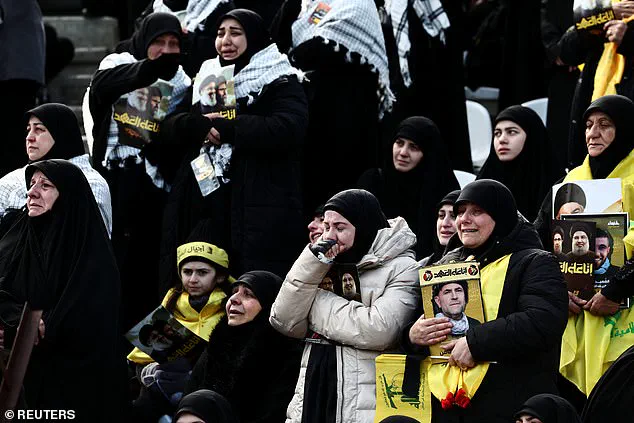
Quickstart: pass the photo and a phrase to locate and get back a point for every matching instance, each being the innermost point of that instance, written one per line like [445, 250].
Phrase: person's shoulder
[473, 322]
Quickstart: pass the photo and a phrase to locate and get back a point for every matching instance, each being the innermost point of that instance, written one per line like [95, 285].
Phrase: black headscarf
[531, 174]
[450, 198]
[497, 200]
[208, 405]
[265, 286]
[549, 409]
[364, 212]
[621, 110]
[61, 262]
[152, 26]
[62, 124]
[255, 31]
[414, 194]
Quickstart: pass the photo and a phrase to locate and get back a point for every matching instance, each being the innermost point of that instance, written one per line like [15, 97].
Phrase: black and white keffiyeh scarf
[265, 66]
[354, 24]
[433, 18]
[195, 14]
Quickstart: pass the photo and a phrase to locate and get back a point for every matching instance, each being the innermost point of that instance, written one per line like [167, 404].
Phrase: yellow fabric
[390, 401]
[202, 324]
[203, 249]
[444, 378]
[583, 362]
[609, 69]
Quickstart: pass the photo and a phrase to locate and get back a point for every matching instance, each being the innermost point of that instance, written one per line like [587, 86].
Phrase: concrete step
[86, 32]
[68, 87]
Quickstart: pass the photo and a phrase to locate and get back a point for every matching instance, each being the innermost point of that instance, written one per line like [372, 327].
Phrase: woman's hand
[600, 305]
[426, 332]
[460, 354]
[213, 136]
[575, 303]
[615, 31]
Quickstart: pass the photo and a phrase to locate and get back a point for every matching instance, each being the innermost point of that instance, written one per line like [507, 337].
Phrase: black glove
[321, 247]
[163, 67]
[226, 128]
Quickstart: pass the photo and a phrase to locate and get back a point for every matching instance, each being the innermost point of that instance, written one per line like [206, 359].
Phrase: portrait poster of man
[139, 113]
[344, 281]
[609, 249]
[591, 15]
[214, 89]
[593, 196]
[452, 291]
[576, 259]
[164, 338]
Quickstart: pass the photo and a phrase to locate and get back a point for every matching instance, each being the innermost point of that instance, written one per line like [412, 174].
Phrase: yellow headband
[205, 250]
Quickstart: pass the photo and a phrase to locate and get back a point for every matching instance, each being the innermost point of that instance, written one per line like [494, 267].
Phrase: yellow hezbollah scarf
[609, 69]
[591, 343]
[444, 379]
[202, 324]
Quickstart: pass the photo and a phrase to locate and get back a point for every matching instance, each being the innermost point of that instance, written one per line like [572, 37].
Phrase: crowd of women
[85, 254]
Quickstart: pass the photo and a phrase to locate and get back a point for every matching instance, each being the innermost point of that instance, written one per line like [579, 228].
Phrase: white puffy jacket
[389, 293]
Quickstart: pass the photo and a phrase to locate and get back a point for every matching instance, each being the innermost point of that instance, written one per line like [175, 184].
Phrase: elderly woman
[610, 146]
[258, 202]
[416, 178]
[246, 360]
[524, 299]
[58, 259]
[521, 158]
[337, 377]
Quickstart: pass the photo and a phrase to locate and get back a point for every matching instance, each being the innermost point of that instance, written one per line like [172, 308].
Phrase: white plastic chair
[540, 106]
[480, 133]
[464, 178]
[482, 93]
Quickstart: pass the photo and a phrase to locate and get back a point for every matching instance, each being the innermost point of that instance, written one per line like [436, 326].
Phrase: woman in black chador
[416, 178]
[57, 257]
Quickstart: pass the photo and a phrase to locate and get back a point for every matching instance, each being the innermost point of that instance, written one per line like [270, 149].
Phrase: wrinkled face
[211, 89]
[41, 196]
[231, 40]
[189, 418]
[557, 243]
[570, 208]
[199, 278]
[600, 132]
[315, 228]
[242, 306]
[445, 224]
[474, 225]
[338, 228]
[38, 140]
[601, 250]
[406, 155]
[508, 140]
[163, 44]
[451, 300]
[525, 418]
[580, 243]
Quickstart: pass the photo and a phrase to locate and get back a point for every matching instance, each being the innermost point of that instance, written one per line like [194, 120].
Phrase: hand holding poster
[452, 291]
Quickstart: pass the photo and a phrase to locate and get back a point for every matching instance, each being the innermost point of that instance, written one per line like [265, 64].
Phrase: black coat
[577, 48]
[260, 210]
[253, 366]
[525, 338]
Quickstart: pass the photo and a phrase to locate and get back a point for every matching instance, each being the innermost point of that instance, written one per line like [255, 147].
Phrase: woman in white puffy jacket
[337, 377]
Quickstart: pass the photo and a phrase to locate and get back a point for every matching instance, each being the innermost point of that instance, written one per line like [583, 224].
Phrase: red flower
[462, 399]
[447, 403]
